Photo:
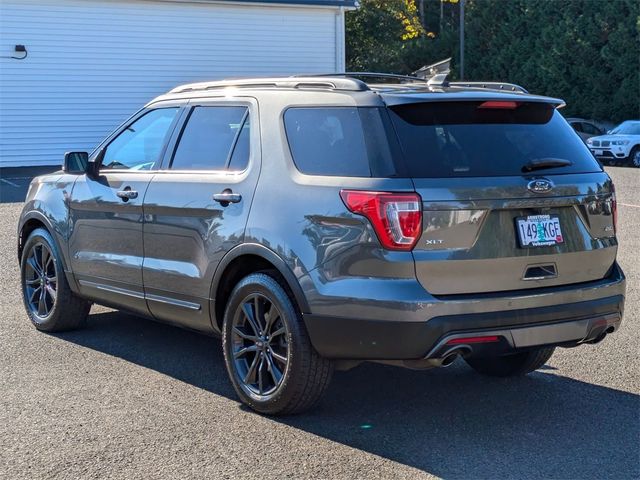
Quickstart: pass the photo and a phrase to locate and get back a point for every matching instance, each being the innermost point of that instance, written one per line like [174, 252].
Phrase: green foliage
[378, 33]
[584, 51]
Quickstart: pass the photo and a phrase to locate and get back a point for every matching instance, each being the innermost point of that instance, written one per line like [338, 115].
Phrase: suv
[620, 145]
[318, 222]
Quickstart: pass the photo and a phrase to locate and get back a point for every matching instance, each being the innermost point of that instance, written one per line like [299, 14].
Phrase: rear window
[475, 139]
[340, 141]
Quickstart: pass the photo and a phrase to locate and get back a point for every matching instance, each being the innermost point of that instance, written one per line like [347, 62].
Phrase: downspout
[340, 41]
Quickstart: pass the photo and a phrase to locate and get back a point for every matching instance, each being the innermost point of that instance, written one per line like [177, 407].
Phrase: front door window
[138, 147]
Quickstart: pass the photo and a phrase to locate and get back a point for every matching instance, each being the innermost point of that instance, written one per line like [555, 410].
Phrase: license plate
[539, 230]
[599, 152]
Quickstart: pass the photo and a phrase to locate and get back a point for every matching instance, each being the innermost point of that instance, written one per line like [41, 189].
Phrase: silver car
[318, 222]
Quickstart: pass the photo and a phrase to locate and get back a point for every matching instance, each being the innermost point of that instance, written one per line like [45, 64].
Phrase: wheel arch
[35, 219]
[28, 223]
[241, 261]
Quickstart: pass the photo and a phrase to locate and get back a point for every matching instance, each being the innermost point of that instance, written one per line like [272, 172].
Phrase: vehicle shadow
[448, 422]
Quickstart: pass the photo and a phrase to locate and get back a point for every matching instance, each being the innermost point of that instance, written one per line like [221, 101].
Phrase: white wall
[92, 63]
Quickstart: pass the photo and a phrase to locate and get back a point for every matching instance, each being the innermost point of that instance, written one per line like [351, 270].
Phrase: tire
[513, 365]
[48, 299]
[634, 157]
[254, 353]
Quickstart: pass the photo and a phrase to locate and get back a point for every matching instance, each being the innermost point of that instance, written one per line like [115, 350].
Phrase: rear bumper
[567, 324]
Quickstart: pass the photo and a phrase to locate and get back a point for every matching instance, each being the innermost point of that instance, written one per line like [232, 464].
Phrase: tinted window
[207, 138]
[577, 126]
[471, 139]
[139, 146]
[590, 129]
[341, 141]
[240, 155]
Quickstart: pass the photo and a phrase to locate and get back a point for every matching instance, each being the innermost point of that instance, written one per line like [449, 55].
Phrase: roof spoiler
[436, 73]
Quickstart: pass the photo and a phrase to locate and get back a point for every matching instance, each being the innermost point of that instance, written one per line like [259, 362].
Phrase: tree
[584, 51]
[379, 32]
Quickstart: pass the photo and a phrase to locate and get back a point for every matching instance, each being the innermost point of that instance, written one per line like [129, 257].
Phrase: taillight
[396, 217]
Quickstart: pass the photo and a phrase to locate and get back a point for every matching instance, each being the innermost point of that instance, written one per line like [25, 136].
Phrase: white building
[91, 63]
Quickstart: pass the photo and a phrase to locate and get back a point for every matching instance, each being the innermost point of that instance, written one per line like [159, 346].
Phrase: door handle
[127, 194]
[226, 197]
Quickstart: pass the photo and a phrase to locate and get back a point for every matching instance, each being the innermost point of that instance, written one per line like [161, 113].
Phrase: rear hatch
[512, 198]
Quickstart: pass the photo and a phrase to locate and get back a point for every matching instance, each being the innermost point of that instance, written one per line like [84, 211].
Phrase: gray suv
[318, 222]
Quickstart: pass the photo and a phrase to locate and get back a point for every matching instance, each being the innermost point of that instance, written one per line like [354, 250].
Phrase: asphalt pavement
[130, 398]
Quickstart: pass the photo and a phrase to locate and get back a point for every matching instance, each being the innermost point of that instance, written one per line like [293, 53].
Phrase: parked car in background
[585, 128]
[619, 146]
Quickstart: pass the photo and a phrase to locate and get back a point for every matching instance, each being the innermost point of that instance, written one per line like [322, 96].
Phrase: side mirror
[75, 162]
[78, 163]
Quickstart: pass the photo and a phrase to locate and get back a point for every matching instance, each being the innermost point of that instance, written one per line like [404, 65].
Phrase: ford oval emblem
[540, 185]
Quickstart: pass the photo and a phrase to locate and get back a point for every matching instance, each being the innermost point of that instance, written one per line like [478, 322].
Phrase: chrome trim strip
[109, 288]
[174, 302]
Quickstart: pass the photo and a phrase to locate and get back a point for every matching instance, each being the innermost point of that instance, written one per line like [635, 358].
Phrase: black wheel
[48, 299]
[511, 365]
[634, 157]
[267, 351]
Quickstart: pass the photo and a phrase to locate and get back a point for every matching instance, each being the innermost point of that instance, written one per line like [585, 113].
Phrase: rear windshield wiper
[540, 163]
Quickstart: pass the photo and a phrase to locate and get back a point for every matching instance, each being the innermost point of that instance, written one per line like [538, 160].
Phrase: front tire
[272, 365]
[634, 157]
[47, 297]
[512, 365]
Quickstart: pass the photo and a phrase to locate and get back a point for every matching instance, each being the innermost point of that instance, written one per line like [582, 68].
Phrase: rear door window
[340, 141]
[209, 137]
[471, 139]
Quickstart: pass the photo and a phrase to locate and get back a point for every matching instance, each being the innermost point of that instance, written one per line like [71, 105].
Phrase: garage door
[92, 63]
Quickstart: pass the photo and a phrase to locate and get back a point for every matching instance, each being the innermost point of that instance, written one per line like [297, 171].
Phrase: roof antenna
[435, 74]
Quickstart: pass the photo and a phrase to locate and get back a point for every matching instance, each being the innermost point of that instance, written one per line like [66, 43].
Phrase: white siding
[92, 63]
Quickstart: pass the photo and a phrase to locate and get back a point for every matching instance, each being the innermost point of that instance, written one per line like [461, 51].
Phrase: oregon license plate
[539, 230]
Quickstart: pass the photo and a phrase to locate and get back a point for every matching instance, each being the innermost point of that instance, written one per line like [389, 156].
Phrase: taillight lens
[396, 217]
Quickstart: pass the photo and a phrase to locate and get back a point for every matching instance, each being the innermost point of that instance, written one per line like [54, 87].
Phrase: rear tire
[272, 365]
[47, 296]
[512, 365]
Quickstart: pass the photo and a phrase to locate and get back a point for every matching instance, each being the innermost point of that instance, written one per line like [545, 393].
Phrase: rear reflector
[499, 105]
[395, 217]
[468, 340]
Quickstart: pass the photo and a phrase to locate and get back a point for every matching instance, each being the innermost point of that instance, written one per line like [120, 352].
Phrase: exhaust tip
[449, 359]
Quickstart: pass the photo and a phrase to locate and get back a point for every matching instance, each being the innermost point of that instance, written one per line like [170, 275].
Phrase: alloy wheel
[259, 345]
[40, 280]
[636, 159]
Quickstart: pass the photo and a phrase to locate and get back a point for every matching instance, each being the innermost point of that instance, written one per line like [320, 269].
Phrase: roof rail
[307, 82]
[512, 87]
[366, 75]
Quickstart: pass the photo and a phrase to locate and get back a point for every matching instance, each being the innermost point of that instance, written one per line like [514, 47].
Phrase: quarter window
[340, 141]
[138, 147]
[208, 139]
